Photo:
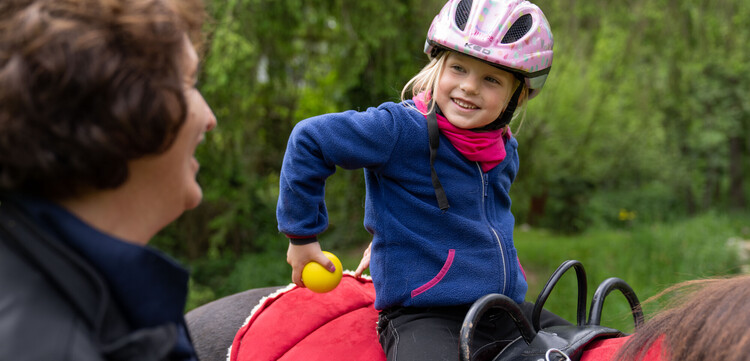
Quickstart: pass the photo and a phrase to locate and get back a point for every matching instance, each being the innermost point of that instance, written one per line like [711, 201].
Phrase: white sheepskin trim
[351, 273]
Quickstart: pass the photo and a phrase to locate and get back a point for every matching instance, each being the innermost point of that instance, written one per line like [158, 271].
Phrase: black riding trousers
[432, 333]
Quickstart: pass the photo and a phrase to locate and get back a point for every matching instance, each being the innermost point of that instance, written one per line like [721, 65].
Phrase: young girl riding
[438, 170]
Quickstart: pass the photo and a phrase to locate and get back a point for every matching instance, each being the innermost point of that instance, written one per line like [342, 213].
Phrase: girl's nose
[469, 85]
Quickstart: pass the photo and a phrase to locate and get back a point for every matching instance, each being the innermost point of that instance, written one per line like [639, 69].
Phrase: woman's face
[472, 93]
[170, 177]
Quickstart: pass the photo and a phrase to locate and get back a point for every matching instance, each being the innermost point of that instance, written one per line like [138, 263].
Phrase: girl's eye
[492, 80]
[458, 68]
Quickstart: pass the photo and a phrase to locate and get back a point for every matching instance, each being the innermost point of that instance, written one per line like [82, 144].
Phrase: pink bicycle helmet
[513, 35]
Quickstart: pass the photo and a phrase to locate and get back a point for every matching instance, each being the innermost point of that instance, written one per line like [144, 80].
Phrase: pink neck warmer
[487, 148]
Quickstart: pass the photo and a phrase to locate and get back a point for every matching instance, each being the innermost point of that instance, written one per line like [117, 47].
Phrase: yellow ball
[318, 279]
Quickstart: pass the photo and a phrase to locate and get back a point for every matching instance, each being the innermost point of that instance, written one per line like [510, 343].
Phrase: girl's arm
[316, 146]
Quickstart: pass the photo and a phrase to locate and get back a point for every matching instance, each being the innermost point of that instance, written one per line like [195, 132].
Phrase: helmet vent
[462, 13]
[518, 29]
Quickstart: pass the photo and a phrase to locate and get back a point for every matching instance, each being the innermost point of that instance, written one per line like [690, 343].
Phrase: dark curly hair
[86, 86]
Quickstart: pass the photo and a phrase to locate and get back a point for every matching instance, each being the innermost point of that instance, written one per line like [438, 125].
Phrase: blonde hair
[523, 101]
[426, 82]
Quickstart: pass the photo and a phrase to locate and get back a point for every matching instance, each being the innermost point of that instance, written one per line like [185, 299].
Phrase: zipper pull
[486, 183]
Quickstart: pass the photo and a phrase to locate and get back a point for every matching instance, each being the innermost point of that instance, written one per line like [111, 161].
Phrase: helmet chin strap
[507, 115]
[434, 134]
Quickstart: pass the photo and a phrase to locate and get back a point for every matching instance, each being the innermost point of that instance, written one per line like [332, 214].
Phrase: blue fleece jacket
[420, 256]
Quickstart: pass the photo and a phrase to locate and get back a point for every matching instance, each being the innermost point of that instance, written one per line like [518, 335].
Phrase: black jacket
[55, 306]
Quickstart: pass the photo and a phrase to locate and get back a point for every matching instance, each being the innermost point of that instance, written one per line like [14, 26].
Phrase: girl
[438, 170]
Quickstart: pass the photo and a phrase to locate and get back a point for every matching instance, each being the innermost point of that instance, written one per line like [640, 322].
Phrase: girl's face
[472, 93]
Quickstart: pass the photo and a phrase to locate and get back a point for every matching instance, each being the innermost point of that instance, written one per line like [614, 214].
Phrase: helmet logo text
[478, 48]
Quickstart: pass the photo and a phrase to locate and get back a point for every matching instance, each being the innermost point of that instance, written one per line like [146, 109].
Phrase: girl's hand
[364, 263]
[299, 256]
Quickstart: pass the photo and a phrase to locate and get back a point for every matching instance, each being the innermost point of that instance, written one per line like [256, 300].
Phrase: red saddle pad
[298, 324]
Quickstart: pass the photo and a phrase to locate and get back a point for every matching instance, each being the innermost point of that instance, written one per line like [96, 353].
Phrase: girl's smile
[463, 104]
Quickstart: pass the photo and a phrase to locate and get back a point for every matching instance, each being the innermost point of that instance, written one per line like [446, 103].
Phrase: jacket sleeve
[316, 146]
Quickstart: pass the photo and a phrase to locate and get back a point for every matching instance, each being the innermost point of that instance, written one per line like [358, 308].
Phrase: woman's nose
[211, 121]
[211, 117]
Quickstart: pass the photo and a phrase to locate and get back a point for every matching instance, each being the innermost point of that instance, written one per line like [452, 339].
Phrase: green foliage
[652, 202]
[640, 92]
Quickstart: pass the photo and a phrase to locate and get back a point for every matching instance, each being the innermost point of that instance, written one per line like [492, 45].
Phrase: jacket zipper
[485, 186]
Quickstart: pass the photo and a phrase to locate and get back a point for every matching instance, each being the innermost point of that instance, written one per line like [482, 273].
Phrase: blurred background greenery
[634, 158]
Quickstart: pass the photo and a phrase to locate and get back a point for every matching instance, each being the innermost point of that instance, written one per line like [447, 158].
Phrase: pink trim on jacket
[438, 277]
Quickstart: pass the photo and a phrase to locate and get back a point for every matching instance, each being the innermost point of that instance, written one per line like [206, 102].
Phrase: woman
[99, 122]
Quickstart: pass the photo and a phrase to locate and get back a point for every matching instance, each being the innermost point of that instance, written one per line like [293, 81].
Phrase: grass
[648, 257]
